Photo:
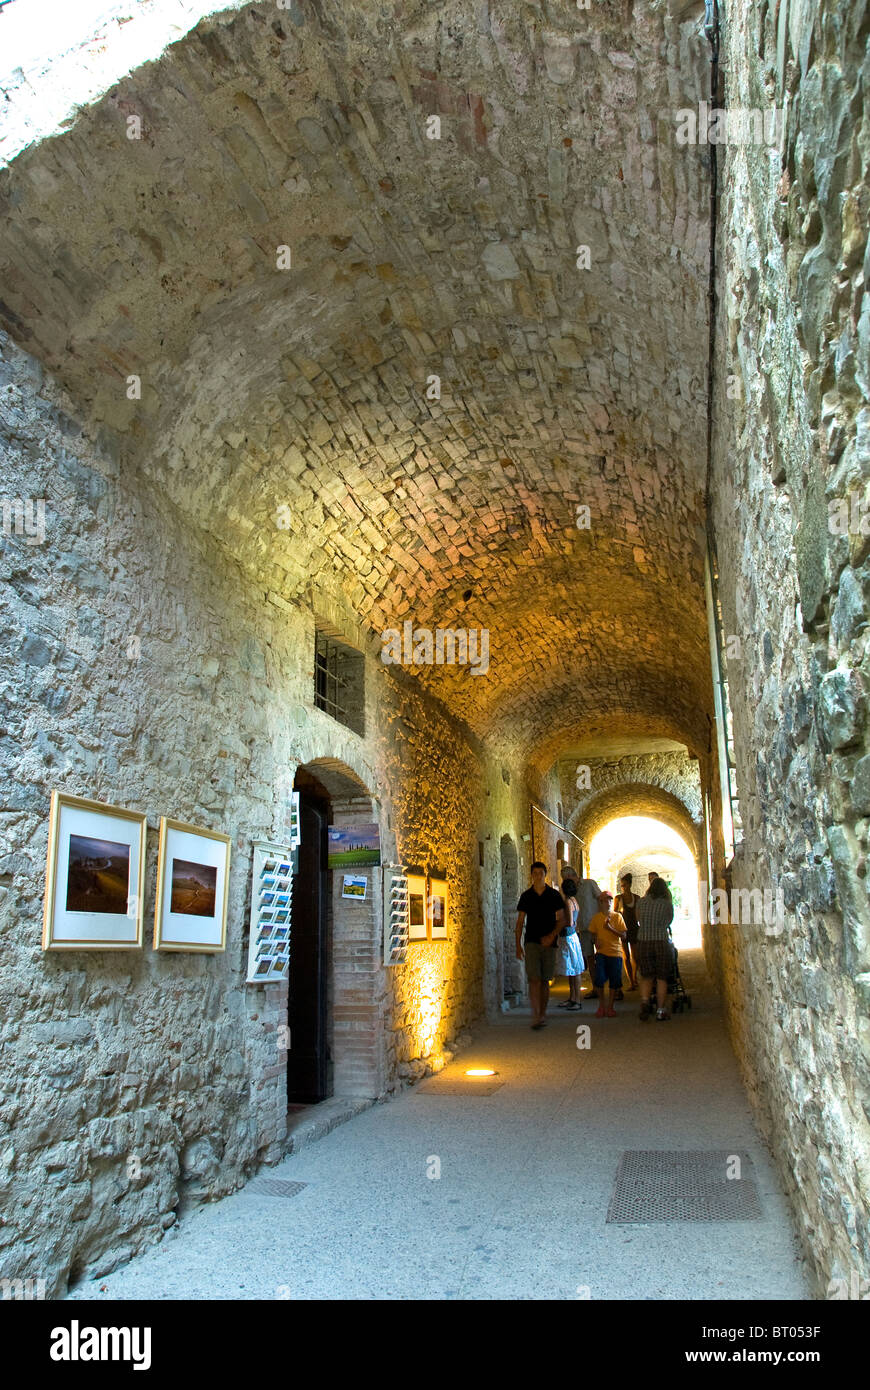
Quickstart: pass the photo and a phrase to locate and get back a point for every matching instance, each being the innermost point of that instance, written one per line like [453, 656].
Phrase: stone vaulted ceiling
[286, 410]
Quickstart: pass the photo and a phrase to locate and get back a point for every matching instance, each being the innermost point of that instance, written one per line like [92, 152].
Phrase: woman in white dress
[569, 957]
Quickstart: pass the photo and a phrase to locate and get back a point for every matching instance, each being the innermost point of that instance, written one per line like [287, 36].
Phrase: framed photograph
[193, 872]
[94, 878]
[437, 909]
[416, 907]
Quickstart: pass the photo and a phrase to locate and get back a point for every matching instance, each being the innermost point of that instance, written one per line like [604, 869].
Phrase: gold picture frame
[94, 876]
[437, 909]
[417, 907]
[193, 876]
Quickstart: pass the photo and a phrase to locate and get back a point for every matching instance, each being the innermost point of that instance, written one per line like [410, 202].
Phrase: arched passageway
[395, 396]
[640, 845]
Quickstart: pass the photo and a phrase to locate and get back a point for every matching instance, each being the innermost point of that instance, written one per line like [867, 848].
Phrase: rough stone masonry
[280, 352]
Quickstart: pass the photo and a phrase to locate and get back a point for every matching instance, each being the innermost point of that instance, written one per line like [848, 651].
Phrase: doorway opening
[308, 1061]
[336, 953]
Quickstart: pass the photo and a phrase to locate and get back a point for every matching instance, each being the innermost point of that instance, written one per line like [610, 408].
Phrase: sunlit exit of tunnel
[434, 444]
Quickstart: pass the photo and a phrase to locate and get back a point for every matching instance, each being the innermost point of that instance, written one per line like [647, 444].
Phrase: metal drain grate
[683, 1185]
[273, 1187]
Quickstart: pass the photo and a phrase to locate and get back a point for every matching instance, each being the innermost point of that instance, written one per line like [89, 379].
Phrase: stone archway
[352, 941]
[636, 799]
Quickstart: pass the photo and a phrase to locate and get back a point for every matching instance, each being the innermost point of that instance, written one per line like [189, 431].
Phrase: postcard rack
[271, 902]
[395, 915]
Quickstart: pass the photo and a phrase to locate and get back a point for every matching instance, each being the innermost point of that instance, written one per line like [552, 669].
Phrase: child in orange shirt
[610, 931]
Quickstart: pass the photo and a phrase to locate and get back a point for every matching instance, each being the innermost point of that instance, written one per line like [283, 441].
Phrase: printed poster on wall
[353, 846]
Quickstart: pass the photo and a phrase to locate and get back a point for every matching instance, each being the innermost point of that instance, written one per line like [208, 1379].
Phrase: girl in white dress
[569, 957]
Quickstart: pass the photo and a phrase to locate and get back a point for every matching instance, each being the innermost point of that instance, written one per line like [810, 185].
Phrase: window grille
[339, 674]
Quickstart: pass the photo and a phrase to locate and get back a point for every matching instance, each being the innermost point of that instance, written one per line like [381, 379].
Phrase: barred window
[339, 681]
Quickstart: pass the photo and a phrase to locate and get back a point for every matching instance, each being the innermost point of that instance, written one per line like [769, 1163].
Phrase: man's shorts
[655, 958]
[608, 970]
[540, 961]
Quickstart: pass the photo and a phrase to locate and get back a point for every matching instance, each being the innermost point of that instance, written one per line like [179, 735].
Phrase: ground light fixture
[480, 1071]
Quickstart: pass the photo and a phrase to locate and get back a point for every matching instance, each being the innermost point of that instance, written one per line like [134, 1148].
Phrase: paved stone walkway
[526, 1175]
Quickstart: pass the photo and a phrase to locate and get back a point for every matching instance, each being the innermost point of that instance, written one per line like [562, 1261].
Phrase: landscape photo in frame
[95, 876]
[437, 904]
[98, 876]
[193, 866]
[193, 888]
[416, 907]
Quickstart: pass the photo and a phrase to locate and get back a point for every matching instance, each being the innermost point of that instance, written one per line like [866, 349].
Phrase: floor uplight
[480, 1071]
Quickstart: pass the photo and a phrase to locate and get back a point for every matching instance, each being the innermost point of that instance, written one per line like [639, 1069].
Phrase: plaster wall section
[791, 446]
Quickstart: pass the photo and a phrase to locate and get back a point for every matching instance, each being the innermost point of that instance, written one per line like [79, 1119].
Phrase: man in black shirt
[542, 912]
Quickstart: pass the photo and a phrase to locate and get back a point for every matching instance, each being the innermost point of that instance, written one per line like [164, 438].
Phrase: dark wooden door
[306, 1056]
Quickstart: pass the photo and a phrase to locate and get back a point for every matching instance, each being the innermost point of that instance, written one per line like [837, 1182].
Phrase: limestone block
[841, 707]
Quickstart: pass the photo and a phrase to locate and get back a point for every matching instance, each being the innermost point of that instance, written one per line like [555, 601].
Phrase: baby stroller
[681, 1000]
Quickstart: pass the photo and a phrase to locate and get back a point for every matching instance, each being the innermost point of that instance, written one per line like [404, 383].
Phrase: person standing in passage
[569, 957]
[626, 905]
[608, 928]
[541, 911]
[587, 896]
[655, 953]
[652, 876]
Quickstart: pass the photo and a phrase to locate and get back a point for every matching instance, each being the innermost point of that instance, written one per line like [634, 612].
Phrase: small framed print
[95, 876]
[437, 909]
[416, 907]
[193, 871]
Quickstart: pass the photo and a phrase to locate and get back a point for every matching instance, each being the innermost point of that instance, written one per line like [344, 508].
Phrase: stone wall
[143, 669]
[792, 437]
